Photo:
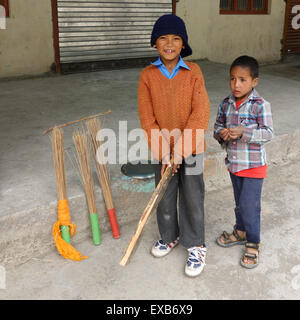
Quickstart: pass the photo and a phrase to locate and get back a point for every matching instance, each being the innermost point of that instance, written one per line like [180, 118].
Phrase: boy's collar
[180, 63]
[252, 96]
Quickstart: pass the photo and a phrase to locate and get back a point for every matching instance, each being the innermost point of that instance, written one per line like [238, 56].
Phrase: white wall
[26, 46]
[222, 38]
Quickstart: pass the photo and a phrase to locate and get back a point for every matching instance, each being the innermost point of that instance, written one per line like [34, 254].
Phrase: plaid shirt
[255, 115]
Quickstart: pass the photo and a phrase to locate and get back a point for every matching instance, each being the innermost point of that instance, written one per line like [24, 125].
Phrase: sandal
[228, 242]
[252, 256]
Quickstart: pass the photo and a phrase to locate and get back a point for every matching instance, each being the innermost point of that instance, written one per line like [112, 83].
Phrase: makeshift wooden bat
[150, 208]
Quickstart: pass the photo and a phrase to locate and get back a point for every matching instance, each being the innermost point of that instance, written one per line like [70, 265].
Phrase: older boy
[244, 124]
[172, 96]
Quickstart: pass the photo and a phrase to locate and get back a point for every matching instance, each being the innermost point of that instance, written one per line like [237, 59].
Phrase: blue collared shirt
[181, 64]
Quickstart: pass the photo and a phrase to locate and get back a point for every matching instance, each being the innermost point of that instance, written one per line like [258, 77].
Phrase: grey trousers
[188, 223]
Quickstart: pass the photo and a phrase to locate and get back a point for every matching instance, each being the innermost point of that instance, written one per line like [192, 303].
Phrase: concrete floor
[144, 277]
[28, 195]
[30, 106]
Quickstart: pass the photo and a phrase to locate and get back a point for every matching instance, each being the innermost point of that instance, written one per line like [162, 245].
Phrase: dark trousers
[247, 195]
[188, 225]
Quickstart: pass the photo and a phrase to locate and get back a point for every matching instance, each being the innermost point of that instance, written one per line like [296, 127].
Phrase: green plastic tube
[95, 228]
[65, 234]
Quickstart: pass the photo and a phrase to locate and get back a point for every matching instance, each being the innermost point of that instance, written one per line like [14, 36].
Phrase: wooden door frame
[287, 21]
[5, 3]
[174, 6]
[55, 35]
[286, 26]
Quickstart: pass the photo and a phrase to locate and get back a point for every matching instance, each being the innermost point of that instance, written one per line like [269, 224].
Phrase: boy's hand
[224, 134]
[166, 162]
[236, 133]
[175, 168]
[177, 162]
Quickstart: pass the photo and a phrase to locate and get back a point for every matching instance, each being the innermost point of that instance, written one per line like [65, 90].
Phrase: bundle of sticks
[93, 128]
[81, 145]
[63, 229]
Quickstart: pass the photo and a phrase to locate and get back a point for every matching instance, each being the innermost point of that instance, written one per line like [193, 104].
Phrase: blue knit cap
[171, 24]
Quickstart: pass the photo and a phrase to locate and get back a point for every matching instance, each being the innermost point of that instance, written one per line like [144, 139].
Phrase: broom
[80, 141]
[63, 229]
[93, 128]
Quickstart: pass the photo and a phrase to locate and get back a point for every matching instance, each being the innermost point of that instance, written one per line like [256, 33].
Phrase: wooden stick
[76, 121]
[151, 206]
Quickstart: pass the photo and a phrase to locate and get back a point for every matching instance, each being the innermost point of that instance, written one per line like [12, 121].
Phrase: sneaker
[161, 249]
[196, 261]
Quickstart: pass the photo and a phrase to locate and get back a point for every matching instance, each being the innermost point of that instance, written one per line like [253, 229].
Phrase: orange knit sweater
[178, 103]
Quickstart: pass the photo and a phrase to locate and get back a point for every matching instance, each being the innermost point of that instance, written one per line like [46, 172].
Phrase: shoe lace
[198, 253]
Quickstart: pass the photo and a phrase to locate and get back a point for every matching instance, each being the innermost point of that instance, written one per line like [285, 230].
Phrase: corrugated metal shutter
[291, 40]
[96, 30]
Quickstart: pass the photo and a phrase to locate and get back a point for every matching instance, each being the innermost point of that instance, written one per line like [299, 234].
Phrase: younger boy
[172, 96]
[243, 125]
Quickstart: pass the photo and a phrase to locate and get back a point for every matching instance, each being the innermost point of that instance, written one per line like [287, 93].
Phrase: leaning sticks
[81, 144]
[62, 229]
[93, 127]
